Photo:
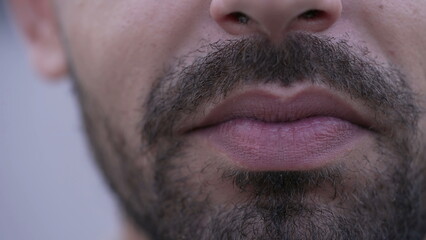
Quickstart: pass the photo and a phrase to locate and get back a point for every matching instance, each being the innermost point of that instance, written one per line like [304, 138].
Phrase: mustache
[184, 88]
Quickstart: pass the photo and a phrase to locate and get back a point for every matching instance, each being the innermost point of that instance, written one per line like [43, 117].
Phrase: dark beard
[286, 205]
[381, 204]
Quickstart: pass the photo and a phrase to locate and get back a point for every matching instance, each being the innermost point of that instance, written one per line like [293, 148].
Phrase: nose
[274, 18]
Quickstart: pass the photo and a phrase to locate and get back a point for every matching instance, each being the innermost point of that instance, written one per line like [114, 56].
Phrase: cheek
[399, 29]
[394, 32]
[118, 48]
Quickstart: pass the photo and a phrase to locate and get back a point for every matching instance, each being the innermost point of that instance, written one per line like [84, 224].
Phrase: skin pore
[143, 69]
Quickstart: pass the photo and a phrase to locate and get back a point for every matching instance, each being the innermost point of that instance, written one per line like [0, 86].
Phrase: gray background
[50, 188]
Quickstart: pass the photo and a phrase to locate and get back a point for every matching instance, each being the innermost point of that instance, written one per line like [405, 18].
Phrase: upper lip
[285, 106]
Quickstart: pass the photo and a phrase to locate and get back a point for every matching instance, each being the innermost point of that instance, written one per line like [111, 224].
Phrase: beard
[377, 196]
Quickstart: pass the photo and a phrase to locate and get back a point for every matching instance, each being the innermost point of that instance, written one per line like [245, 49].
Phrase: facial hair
[368, 203]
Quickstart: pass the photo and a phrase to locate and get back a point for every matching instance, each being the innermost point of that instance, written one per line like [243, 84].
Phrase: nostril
[239, 17]
[312, 15]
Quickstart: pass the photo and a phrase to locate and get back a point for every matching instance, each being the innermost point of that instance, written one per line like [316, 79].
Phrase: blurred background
[50, 189]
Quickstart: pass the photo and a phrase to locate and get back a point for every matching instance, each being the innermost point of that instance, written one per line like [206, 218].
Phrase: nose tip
[274, 18]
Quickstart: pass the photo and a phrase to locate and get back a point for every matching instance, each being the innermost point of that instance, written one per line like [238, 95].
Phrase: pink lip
[262, 131]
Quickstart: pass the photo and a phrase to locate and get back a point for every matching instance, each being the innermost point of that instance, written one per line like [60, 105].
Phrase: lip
[268, 107]
[266, 130]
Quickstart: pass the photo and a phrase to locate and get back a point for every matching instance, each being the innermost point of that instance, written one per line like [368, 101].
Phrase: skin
[116, 51]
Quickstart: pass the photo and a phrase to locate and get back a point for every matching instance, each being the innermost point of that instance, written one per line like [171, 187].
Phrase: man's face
[247, 119]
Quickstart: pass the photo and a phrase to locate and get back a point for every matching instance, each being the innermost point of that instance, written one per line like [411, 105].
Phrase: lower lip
[291, 146]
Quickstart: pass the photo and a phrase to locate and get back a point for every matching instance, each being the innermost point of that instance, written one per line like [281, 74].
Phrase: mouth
[283, 130]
